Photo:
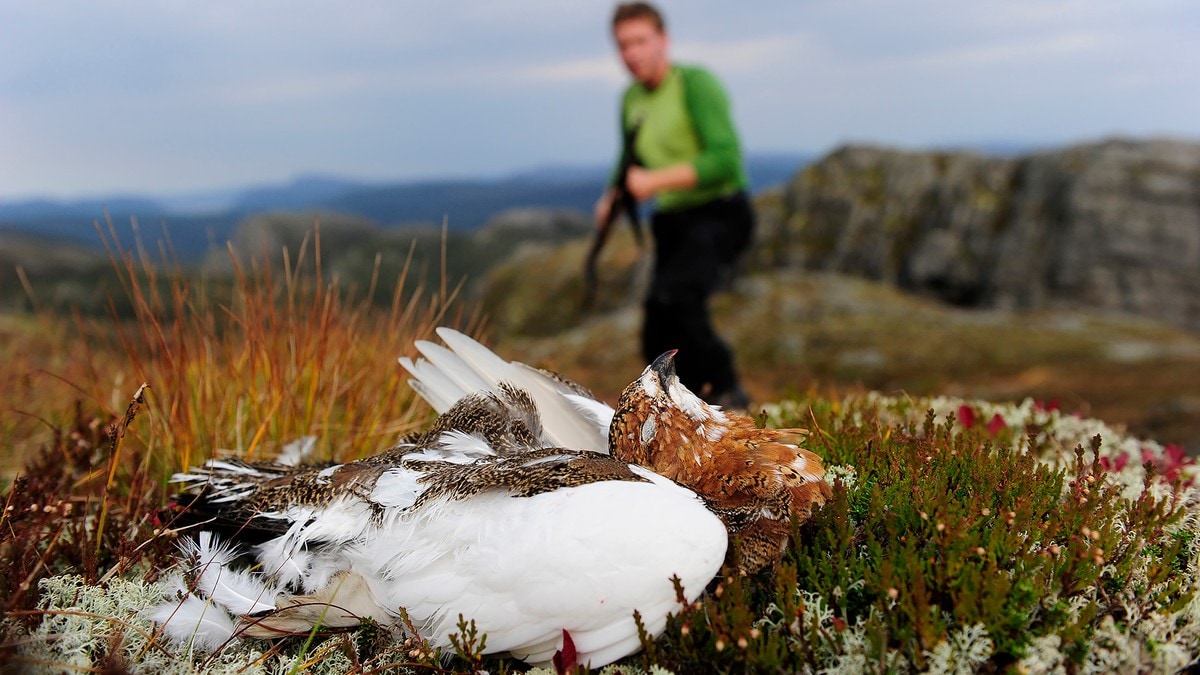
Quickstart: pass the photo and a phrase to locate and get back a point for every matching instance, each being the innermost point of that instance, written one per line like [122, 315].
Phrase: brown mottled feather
[522, 476]
[507, 420]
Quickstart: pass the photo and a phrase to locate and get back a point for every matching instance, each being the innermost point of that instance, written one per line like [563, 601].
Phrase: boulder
[1111, 225]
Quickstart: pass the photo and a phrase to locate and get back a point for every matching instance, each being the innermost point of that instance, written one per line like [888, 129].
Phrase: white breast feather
[689, 403]
[196, 622]
[287, 565]
[345, 519]
[216, 578]
[579, 558]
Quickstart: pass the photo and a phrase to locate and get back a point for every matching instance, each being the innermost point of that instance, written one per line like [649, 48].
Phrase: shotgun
[624, 202]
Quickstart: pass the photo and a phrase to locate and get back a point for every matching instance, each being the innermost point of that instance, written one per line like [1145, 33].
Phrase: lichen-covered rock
[1111, 225]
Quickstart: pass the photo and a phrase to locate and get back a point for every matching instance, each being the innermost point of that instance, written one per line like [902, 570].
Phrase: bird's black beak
[664, 366]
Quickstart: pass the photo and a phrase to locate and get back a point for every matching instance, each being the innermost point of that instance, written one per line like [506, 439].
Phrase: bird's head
[659, 419]
[756, 480]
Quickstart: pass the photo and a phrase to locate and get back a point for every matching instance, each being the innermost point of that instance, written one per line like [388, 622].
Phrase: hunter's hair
[627, 11]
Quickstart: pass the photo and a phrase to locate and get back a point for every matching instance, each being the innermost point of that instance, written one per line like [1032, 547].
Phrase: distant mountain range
[199, 221]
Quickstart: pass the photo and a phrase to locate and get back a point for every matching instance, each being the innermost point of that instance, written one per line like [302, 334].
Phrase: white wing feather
[598, 413]
[446, 375]
[461, 373]
[437, 389]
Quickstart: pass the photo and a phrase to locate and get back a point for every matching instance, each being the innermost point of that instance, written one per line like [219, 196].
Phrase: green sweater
[687, 119]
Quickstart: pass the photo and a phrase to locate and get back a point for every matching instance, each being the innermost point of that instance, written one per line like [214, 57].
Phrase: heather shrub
[952, 547]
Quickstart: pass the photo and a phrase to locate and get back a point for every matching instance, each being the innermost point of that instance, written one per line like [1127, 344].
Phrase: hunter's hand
[644, 183]
[641, 183]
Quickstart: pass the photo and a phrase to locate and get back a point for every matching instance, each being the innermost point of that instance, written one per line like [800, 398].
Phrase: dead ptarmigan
[529, 507]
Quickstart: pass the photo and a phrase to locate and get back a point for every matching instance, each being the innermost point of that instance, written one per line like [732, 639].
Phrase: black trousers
[694, 251]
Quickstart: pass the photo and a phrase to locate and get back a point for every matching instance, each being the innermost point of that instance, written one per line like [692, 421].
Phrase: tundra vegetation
[963, 535]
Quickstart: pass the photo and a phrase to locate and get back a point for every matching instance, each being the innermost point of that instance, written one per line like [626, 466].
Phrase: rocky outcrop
[1112, 225]
[526, 230]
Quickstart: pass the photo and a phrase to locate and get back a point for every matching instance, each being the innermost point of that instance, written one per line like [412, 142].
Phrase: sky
[170, 96]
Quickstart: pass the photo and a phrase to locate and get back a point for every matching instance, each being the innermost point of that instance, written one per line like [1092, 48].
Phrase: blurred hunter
[688, 159]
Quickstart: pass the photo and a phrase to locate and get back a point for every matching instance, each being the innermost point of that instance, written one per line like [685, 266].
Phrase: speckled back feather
[507, 421]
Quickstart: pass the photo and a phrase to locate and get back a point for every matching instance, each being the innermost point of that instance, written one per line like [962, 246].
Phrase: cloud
[201, 93]
[290, 88]
[730, 57]
[606, 70]
[741, 56]
[1008, 53]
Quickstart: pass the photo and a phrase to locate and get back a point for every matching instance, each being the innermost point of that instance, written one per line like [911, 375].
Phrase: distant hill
[199, 222]
[305, 192]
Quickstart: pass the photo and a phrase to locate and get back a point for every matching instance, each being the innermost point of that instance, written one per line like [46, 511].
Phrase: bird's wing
[527, 545]
[443, 376]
